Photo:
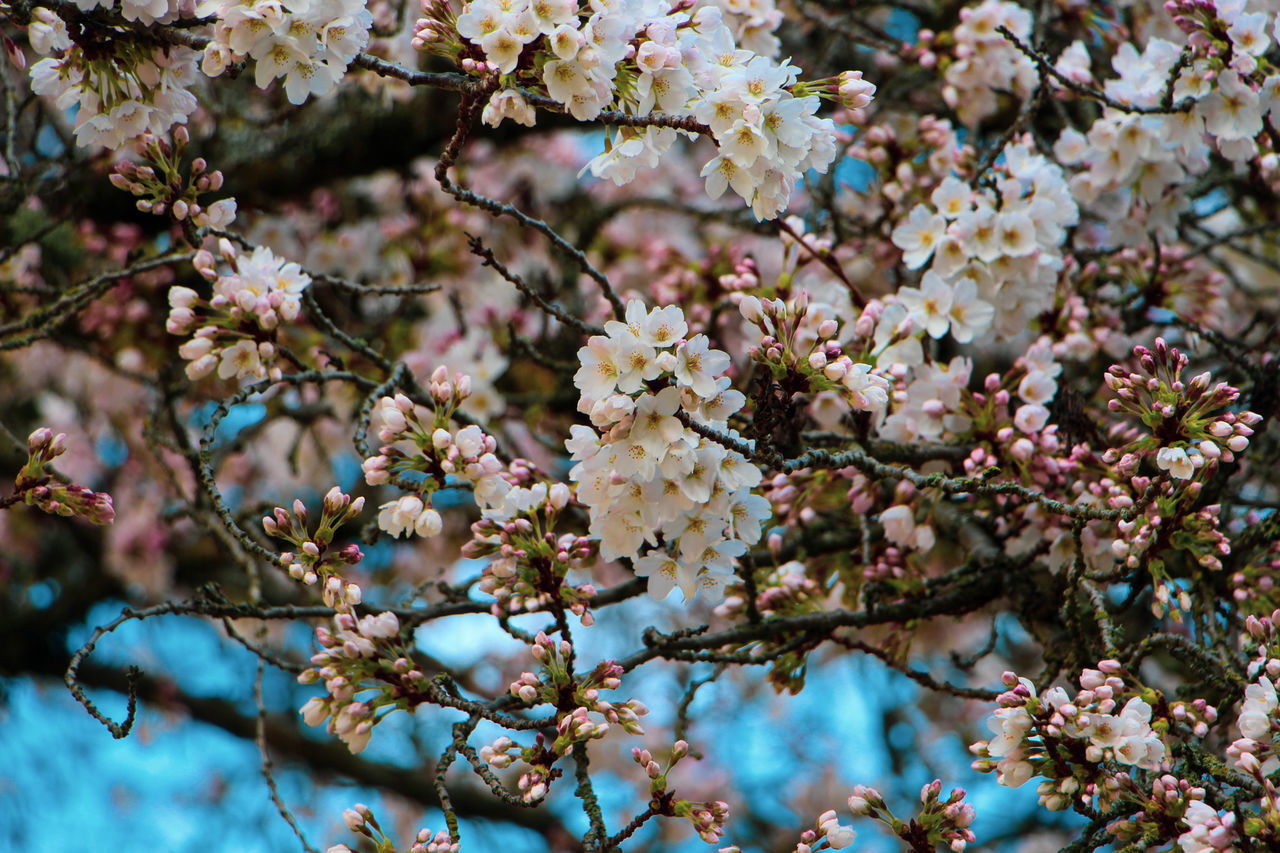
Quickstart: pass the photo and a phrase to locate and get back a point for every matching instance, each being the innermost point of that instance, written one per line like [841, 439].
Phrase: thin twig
[268, 769]
[467, 112]
[485, 254]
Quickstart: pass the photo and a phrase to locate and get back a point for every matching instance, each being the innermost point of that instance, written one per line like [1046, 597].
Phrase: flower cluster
[121, 88]
[539, 771]
[309, 43]
[939, 822]
[353, 653]
[1256, 711]
[767, 137]
[1254, 755]
[445, 453]
[1172, 525]
[1216, 91]
[1208, 830]
[1164, 807]
[987, 248]
[237, 337]
[1257, 719]
[1245, 26]
[787, 590]
[753, 23]
[37, 487]
[314, 562]
[928, 407]
[142, 11]
[1011, 415]
[646, 473]
[1041, 735]
[984, 62]
[1130, 162]
[888, 410]
[639, 55]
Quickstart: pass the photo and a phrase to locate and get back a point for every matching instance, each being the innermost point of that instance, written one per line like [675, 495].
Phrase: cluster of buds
[1170, 801]
[909, 163]
[437, 33]
[447, 393]
[1254, 585]
[361, 821]
[1022, 437]
[853, 92]
[848, 90]
[1186, 429]
[804, 356]
[1179, 282]
[655, 771]
[1263, 629]
[791, 496]
[1077, 743]
[162, 186]
[237, 332]
[577, 727]
[314, 561]
[1223, 37]
[786, 591]
[36, 487]
[354, 653]
[558, 686]
[1193, 17]
[440, 842]
[607, 676]
[745, 276]
[939, 822]
[1171, 523]
[529, 561]
[707, 819]
[431, 446]
[498, 754]
[535, 781]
